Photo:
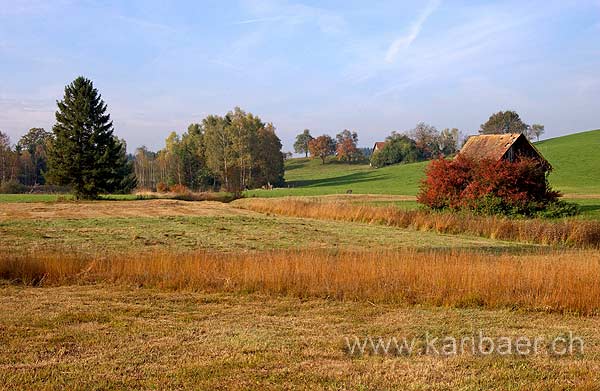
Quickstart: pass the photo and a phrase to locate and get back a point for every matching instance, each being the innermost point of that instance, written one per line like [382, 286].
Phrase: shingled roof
[500, 146]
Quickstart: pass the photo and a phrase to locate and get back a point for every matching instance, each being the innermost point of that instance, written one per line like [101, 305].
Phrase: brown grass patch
[564, 281]
[570, 232]
[101, 209]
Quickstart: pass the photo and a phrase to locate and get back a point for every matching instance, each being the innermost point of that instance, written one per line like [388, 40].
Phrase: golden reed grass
[570, 232]
[561, 281]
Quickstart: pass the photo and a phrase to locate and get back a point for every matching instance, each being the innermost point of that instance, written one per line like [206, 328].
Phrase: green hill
[575, 158]
[309, 177]
[576, 162]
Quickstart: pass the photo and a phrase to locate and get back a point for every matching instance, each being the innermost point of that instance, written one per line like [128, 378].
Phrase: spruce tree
[84, 153]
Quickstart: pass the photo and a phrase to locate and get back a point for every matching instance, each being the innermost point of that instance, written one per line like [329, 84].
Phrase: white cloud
[292, 13]
[406, 40]
[259, 20]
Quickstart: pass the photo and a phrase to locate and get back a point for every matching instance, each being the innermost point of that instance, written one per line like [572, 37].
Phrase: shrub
[560, 209]
[444, 183]
[162, 187]
[398, 149]
[489, 187]
[13, 187]
[179, 189]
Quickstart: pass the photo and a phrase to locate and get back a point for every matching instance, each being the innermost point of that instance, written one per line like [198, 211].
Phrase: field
[174, 294]
[107, 337]
[575, 161]
[283, 293]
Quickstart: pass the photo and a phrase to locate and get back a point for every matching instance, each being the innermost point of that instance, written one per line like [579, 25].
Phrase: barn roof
[495, 146]
[379, 145]
[489, 146]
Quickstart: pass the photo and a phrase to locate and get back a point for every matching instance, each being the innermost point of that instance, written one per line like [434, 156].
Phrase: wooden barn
[508, 146]
[378, 146]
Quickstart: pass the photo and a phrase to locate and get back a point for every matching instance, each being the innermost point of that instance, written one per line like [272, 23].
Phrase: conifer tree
[84, 153]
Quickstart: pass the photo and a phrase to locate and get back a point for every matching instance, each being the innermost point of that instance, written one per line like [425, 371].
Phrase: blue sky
[373, 67]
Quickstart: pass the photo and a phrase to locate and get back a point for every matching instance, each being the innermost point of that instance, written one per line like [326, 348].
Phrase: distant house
[508, 146]
[378, 146]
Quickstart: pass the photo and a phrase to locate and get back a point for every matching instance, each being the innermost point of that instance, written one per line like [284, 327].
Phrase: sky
[369, 66]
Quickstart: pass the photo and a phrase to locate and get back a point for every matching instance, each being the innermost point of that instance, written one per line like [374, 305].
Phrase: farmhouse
[508, 146]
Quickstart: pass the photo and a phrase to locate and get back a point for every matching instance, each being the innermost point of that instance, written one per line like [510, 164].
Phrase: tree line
[423, 142]
[236, 151]
[26, 163]
[233, 152]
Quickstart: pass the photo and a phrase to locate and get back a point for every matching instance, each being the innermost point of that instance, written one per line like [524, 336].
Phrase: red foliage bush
[162, 187]
[486, 186]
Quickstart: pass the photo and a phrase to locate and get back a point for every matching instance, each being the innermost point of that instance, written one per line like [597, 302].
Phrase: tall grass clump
[560, 281]
[568, 232]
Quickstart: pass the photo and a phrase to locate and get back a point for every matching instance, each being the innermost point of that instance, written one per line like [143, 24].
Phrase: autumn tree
[145, 168]
[536, 130]
[243, 130]
[8, 160]
[302, 140]
[173, 155]
[346, 148]
[33, 147]
[427, 139]
[322, 147]
[269, 158]
[219, 147]
[193, 156]
[448, 141]
[504, 122]
[240, 148]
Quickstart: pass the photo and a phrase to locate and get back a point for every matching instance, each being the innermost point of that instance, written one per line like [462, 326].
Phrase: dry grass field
[555, 281]
[569, 232]
[163, 294]
[111, 337]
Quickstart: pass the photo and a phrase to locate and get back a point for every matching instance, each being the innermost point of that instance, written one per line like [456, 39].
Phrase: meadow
[153, 292]
[117, 337]
[176, 294]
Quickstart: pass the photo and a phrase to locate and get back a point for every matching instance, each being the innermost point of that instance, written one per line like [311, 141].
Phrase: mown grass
[187, 196]
[222, 233]
[111, 337]
[60, 197]
[569, 232]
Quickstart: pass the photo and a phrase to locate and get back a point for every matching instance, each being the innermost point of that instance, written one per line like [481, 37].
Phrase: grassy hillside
[309, 177]
[576, 162]
[575, 158]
